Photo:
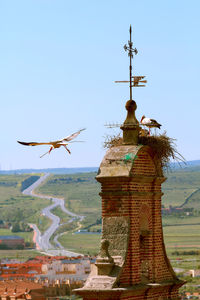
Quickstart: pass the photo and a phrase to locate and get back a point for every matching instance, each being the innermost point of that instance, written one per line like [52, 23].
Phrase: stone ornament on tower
[131, 125]
[104, 261]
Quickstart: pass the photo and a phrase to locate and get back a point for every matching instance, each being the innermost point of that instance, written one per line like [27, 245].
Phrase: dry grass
[112, 141]
[164, 147]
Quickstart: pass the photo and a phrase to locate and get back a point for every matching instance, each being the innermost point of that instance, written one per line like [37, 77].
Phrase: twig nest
[164, 147]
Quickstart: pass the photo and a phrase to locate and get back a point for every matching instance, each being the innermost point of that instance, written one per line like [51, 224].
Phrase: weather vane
[134, 81]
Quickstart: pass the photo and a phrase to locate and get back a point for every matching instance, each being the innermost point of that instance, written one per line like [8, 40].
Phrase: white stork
[55, 144]
[151, 123]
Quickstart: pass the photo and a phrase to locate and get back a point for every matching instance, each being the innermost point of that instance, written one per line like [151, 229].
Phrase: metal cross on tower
[134, 80]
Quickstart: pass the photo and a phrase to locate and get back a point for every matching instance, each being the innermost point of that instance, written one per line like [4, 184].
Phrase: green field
[28, 236]
[64, 218]
[185, 236]
[179, 186]
[81, 243]
[22, 255]
[80, 191]
[10, 186]
[175, 196]
[81, 194]
[16, 207]
[180, 220]
[193, 200]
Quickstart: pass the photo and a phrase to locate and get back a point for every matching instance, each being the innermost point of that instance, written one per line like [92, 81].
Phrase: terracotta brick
[137, 197]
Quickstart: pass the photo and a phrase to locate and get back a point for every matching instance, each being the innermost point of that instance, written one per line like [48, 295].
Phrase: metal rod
[134, 81]
[130, 68]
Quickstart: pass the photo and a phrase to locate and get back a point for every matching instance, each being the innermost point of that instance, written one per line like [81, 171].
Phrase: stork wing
[72, 136]
[154, 121]
[33, 143]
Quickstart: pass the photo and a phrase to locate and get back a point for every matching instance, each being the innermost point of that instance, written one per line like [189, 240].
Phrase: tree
[15, 227]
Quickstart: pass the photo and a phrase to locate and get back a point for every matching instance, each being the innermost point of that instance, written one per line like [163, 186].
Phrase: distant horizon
[71, 170]
[189, 162]
[51, 168]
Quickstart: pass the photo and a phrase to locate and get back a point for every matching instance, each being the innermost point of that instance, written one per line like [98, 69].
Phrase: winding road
[43, 240]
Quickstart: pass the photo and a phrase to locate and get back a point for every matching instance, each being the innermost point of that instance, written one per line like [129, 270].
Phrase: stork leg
[47, 152]
[67, 149]
[50, 149]
[44, 154]
[149, 131]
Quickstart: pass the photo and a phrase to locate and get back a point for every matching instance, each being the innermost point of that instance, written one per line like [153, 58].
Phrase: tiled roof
[18, 287]
[10, 237]
[69, 261]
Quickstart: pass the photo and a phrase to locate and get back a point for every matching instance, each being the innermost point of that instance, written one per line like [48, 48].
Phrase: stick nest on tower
[163, 146]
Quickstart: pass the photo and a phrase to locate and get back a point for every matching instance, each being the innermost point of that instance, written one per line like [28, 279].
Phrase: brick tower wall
[132, 225]
[139, 198]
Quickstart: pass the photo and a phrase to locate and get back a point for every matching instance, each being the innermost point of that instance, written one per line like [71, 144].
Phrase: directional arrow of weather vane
[134, 81]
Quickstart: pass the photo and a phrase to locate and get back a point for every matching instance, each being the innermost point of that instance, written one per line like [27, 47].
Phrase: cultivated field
[81, 194]
[16, 207]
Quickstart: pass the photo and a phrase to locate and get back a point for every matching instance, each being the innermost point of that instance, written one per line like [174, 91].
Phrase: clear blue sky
[58, 63]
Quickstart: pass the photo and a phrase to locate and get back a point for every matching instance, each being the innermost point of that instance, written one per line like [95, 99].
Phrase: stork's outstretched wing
[33, 143]
[72, 136]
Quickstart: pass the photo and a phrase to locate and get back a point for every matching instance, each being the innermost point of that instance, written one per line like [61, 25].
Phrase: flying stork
[55, 144]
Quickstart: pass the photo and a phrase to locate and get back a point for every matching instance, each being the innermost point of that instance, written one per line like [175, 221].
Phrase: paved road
[43, 241]
[56, 240]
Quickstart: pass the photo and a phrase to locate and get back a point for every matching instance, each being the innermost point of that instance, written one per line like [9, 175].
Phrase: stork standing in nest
[150, 123]
[55, 144]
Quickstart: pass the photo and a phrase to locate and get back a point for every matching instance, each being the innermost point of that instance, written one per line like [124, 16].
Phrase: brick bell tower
[132, 262]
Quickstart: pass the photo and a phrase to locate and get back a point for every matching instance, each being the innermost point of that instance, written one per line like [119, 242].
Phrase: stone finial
[104, 255]
[104, 261]
[131, 125]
